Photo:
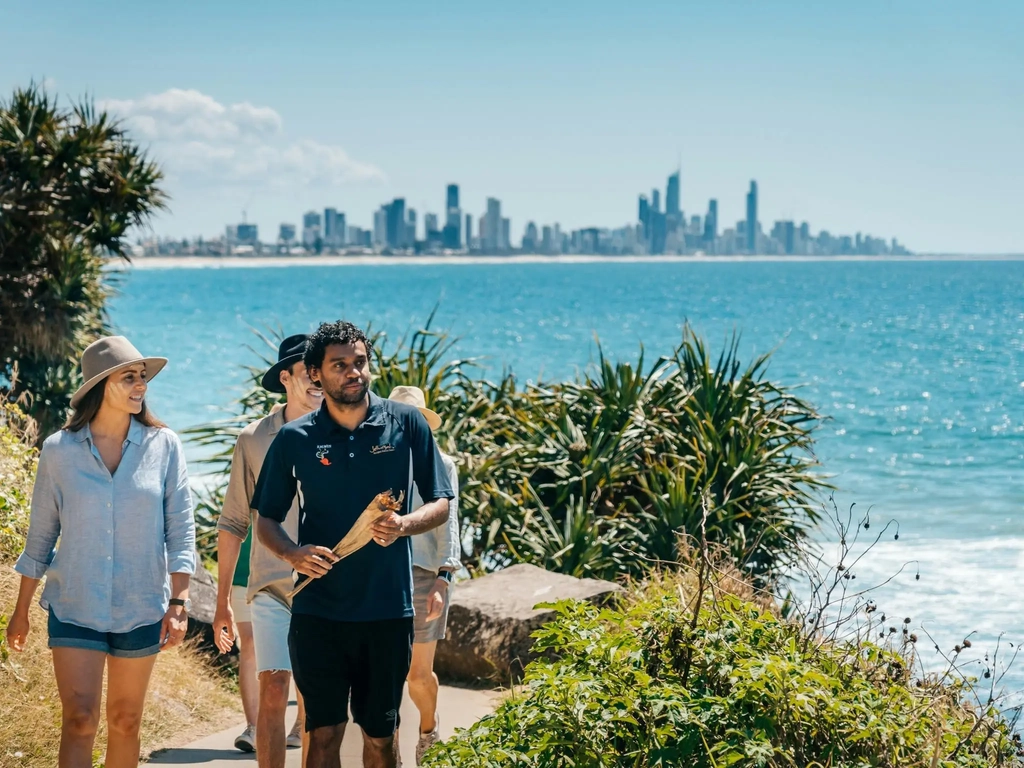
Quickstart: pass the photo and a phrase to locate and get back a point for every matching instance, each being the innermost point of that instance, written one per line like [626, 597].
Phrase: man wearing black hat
[269, 579]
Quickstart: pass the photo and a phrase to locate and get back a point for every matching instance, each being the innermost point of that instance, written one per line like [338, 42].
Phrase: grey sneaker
[246, 740]
[427, 740]
[294, 739]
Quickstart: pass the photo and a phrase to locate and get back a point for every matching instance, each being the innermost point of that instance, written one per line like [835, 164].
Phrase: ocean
[918, 367]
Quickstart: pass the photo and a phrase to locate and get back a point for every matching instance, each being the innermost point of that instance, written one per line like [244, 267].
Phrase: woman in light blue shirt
[112, 530]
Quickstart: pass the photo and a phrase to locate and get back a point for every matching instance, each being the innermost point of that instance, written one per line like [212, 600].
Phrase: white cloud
[198, 138]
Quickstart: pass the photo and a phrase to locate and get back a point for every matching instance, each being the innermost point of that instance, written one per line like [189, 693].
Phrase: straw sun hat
[110, 355]
[414, 396]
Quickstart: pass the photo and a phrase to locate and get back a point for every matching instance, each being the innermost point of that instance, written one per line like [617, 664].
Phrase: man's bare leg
[379, 753]
[325, 746]
[270, 732]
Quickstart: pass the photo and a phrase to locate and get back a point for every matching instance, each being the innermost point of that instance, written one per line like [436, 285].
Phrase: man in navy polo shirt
[351, 630]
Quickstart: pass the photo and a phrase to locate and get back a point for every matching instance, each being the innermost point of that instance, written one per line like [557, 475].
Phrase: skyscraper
[644, 214]
[380, 226]
[491, 233]
[672, 195]
[286, 234]
[430, 223]
[396, 223]
[469, 231]
[340, 230]
[311, 231]
[751, 229]
[453, 218]
[330, 235]
[711, 222]
[530, 243]
[656, 201]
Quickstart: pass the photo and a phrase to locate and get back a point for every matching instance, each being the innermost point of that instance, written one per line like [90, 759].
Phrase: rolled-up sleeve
[236, 514]
[179, 523]
[451, 539]
[44, 522]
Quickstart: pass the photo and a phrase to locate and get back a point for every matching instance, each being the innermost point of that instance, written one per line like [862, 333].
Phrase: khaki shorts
[428, 631]
[238, 605]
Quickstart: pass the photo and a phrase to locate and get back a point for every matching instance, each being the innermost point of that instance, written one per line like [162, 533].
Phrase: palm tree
[72, 185]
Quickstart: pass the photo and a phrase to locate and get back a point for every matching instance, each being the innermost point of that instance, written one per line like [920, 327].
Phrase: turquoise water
[918, 365]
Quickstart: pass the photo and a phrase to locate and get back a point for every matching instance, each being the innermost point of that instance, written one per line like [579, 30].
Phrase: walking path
[459, 708]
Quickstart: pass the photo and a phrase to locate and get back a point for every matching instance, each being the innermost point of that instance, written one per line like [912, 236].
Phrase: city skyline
[892, 118]
[657, 231]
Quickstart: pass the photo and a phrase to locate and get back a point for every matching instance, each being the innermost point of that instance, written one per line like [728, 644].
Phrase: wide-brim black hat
[289, 353]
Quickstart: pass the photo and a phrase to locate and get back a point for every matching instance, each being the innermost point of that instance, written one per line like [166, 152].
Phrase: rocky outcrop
[491, 618]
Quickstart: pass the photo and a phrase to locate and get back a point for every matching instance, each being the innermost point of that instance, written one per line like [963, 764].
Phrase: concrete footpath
[458, 708]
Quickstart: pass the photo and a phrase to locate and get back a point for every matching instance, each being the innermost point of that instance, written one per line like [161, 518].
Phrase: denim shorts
[270, 622]
[140, 642]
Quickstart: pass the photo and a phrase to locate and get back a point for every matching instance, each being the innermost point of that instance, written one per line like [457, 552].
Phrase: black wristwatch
[445, 576]
[186, 603]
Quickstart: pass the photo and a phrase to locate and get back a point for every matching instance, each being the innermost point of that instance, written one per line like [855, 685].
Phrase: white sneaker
[427, 740]
[294, 739]
[246, 740]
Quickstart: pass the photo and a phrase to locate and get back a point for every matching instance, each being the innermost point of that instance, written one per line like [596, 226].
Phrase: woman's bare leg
[127, 681]
[79, 674]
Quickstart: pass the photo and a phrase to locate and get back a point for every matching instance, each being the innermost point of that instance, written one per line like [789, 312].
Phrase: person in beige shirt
[270, 579]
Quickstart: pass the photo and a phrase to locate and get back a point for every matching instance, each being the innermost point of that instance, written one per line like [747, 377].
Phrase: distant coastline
[248, 262]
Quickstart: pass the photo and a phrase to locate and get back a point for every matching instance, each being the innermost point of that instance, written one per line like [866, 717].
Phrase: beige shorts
[428, 631]
[238, 605]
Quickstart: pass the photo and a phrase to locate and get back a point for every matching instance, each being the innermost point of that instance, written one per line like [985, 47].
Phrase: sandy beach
[236, 262]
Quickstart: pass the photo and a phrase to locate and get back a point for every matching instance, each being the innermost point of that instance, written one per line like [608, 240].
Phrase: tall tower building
[491, 235]
[672, 195]
[453, 219]
[397, 223]
[711, 222]
[380, 226]
[340, 230]
[330, 215]
[311, 228]
[751, 229]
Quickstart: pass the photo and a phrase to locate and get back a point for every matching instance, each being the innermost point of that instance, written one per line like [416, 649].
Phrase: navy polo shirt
[336, 473]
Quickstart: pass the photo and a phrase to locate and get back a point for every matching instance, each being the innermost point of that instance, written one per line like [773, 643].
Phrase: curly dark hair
[340, 332]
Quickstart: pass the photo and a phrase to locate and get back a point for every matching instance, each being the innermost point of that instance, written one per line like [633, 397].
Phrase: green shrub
[646, 684]
[17, 474]
[599, 475]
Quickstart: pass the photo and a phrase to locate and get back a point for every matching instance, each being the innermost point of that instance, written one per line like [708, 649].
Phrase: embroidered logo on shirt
[378, 449]
[321, 453]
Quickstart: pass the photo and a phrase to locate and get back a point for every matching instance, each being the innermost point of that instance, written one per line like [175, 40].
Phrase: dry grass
[187, 700]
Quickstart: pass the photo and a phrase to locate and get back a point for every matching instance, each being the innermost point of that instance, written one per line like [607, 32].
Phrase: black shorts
[367, 659]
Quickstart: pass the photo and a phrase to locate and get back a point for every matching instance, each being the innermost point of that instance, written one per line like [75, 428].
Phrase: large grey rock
[491, 619]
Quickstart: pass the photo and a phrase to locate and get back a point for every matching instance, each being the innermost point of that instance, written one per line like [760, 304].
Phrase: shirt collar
[276, 420]
[374, 415]
[134, 433]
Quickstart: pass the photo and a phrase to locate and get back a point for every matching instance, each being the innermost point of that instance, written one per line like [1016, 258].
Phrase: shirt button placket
[352, 455]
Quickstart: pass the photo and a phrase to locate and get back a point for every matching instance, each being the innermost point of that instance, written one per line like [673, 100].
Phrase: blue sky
[895, 118]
